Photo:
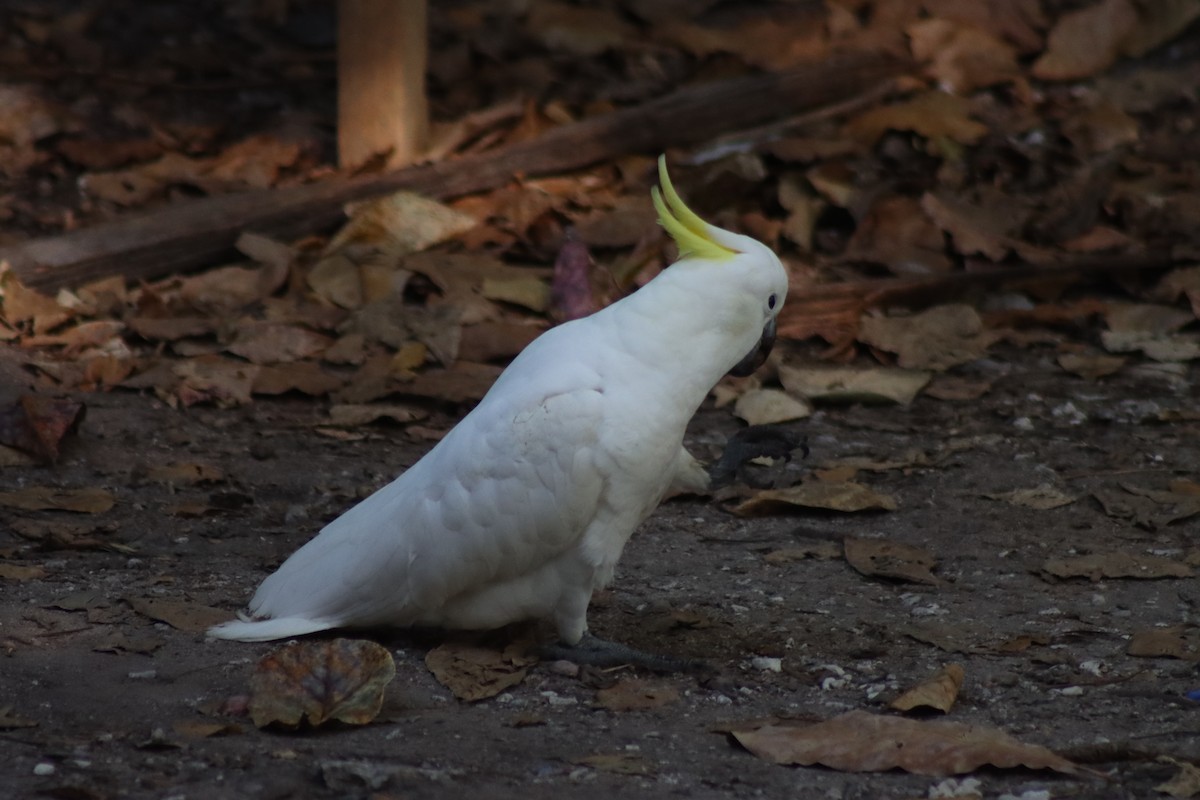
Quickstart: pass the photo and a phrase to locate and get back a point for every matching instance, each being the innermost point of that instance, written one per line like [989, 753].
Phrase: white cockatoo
[522, 510]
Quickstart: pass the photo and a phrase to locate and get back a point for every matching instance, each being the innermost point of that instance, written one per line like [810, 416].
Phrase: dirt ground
[109, 721]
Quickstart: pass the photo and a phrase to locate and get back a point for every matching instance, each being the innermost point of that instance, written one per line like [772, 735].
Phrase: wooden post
[381, 81]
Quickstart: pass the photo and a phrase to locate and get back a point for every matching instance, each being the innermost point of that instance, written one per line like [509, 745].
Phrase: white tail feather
[266, 630]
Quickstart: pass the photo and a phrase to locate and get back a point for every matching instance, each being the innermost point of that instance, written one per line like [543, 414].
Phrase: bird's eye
[771, 302]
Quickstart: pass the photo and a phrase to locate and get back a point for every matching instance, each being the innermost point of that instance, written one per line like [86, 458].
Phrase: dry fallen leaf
[349, 415]
[938, 692]
[1087, 41]
[1116, 565]
[853, 385]
[1185, 782]
[318, 681]
[617, 763]
[9, 720]
[1043, 497]
[883, 558]
[938, 338]
[21, 572]
[46, 498]
[862, 742]
[1091, 367]
[36, 425]
[475, 672]
[180, 615]
[769, 406]
[636, 695]
[933, 114]
[1179, 641]
[846, 496]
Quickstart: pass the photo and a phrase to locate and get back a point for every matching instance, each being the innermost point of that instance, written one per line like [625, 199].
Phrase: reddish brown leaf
[341, 680]
[882, 558]
[37, 425]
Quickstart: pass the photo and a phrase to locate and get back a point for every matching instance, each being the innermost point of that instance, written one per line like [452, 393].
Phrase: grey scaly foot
[757, 441]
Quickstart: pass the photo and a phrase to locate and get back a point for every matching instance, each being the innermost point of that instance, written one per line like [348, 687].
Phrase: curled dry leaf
[21, 572]
[845, 496]
[475, 672]
[862, 742]
[342, 679]
[1091, 367]
[350, 415]
[882, 558]
[1087, 41]
[1116, 565]
[933, 114]
[636, 695]
[50, 498]
[938, 692]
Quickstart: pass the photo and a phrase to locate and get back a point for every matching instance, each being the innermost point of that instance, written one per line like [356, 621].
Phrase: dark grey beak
[758, 356]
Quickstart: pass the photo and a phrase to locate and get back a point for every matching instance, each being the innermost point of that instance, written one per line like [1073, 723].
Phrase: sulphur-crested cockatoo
[522, 510]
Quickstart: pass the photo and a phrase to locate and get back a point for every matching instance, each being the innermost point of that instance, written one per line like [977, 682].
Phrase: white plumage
[522, 510]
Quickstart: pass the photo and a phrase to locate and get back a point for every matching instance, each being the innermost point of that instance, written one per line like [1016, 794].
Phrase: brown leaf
[847, 496]
[579, 31]
[938, 338]
[214, 379]
[187, 473]
[37, 425]
[180, 615]
[300, 376]
[1180, 641]
[862, 742]
[349, 415]
[882, 558]
[963, 57]
[342, 679]
[274, 343]
[490, 341]
[1085, 42]
[938, 692]
[1116, 565]
[461, 383]
[474, 672]
[169, 329]
[636, 695]
[933, 114]
[528, 292]
[58, 534]
[19, 305]
[21, 572]
[47, 498]
[203, 728]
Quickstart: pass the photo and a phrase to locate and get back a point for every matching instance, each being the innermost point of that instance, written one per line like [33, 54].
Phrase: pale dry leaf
[847, 497]
[398, 225]
[274, 343]
[10, 720]
[936, 339]
[962, 58]
[531, 293]
[631, 694]
[853, 385]
[319, 681]
[883, 558]
[617, 763]
[1116, 565]
[769, 406]
[863, 742]
[214, 379]
[306, 377]
[474, 672]
[1042, 497]
[939, 691]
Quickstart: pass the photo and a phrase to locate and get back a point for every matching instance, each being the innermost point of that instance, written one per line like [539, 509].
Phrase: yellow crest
[686, 228]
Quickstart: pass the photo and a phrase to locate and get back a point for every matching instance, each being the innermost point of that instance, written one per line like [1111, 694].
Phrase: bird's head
[749, 275]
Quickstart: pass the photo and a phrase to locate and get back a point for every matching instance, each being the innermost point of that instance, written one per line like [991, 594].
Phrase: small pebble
[767, 664]
[144, 675]
[43, 769]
